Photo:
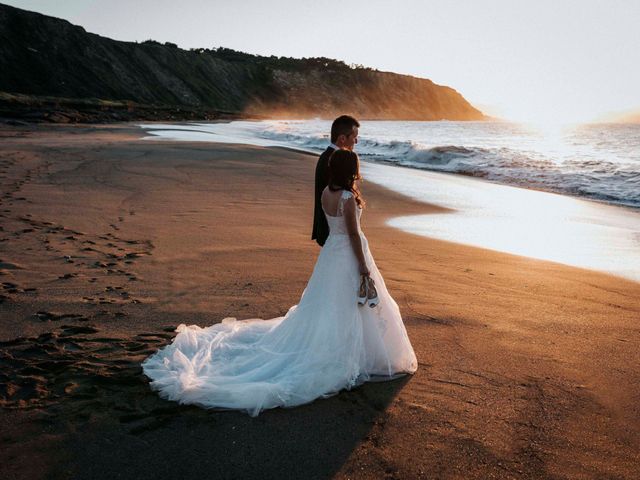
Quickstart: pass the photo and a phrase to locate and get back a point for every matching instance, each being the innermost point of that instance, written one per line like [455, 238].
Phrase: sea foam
[600, 162]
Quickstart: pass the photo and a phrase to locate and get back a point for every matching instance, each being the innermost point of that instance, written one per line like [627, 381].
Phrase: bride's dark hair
[344, 171]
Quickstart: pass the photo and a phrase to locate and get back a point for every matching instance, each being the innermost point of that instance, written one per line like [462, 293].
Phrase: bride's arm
[350, 217]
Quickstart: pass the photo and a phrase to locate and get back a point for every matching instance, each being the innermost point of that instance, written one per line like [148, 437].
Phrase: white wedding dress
[324, 344]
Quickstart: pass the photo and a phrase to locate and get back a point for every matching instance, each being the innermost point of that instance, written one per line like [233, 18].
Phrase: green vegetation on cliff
[46, 56]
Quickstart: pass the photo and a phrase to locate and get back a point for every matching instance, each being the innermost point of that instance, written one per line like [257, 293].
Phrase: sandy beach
[527, 369]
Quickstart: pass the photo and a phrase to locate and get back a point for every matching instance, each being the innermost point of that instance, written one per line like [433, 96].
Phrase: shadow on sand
[89, 392]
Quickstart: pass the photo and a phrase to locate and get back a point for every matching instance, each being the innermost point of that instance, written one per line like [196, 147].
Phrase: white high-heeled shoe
[363, 292]
[372, 293]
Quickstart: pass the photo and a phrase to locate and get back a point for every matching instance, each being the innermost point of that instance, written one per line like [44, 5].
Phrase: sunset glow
[334, 239]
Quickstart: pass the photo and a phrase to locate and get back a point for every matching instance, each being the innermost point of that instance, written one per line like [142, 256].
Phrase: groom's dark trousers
[320, 225]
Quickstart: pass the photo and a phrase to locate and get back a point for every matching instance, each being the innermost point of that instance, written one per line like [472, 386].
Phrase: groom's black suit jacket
[320, 225]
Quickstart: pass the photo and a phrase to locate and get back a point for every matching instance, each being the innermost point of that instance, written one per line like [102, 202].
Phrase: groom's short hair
[343, 125]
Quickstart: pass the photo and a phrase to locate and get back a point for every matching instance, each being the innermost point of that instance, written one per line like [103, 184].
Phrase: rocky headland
[55, 71]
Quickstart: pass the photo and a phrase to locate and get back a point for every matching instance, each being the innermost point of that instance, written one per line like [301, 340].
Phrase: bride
[326, 343]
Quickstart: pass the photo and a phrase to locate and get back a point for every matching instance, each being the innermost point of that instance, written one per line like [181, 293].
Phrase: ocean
[567, 195]
[596, 161]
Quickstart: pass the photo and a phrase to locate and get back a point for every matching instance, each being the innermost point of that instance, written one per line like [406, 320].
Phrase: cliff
[42, 56]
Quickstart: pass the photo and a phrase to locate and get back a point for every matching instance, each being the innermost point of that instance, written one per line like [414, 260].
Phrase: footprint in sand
[10, 287]
[13, 288]
[67, 276]
[80, 373]
[9, 266]
[55, 317]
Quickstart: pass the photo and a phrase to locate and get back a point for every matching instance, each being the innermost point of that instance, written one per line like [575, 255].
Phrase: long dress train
[324, 344]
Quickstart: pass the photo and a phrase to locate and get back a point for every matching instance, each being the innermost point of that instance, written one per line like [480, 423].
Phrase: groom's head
[344, 132]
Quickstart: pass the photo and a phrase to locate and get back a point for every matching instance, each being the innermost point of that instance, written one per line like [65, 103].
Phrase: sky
[537, 61]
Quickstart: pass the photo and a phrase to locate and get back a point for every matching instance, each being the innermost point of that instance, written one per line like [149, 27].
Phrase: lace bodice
[337, 223]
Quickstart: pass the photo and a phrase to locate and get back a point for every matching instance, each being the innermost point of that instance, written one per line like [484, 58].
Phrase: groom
[344, 135]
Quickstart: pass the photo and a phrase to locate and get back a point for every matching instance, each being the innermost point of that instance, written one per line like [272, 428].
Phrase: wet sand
[528, 369]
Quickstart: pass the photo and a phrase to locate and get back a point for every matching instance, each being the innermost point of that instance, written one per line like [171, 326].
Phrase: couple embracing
[345, 330]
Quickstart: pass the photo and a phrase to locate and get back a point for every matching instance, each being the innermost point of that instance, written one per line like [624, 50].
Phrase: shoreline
[163, 131]
[523, 364]
[581, 229]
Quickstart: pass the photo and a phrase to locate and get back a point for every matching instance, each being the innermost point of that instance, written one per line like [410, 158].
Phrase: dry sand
[528, 369]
